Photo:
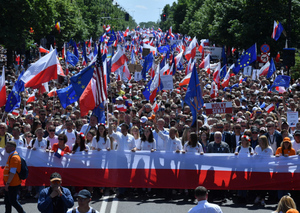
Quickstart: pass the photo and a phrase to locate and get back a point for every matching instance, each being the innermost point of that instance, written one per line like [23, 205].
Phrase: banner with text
[218, 108]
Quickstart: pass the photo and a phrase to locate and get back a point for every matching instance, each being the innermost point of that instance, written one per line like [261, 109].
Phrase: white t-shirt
[19, 142]
[138, 143]
[102, 144]
[267, 151]
[295, 145]
[90, 211]
[123, 142]
[171, 144]
[244, 150]
[145, 145]
[52, 140]
[198, 148]
[38, 144]
[71, 138]
[78, 148]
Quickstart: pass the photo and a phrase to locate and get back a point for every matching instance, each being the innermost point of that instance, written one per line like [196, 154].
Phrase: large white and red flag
[205, 64]
[44, 70]
[190, 52]
[2, 89]
[124, 169]
[118, 60]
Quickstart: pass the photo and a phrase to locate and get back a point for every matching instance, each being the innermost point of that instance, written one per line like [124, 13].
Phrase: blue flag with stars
[100, 113]
[147, 64]
[246, 59]
[72, 59]
[146, 91]
[82, 79]
[281, 81]
[67, 96]
[14, 98]
[193, 96]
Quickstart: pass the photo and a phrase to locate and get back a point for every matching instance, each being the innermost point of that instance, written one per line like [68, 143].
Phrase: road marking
[104, 204]
[114, 205]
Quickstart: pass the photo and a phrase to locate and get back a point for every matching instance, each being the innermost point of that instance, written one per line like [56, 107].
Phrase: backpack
[24, 169]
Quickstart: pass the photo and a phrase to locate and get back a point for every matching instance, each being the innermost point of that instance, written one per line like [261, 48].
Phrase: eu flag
[147, 64]
[223, 72]
[193, 96]
[14, 98]
[100, 113]
[164, 49]
[82, 79]
[112, 38]
[67, 96]
[72, 59]
[272, 69]
[146, 91]
[281, 81]
[246, 59]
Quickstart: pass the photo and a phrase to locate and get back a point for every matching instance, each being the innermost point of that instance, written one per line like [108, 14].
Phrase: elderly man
[218, 146]
[203, 205]
[55, 198]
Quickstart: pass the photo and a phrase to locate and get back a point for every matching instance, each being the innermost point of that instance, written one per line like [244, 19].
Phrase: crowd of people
[44, 124]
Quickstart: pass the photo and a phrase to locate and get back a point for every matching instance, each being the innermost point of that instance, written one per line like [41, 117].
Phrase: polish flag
[214, 90]
[226, 79]
[178, 58]
[31, 98]
[118, 60]
[52, 93]
[264, 70]
[170, 32]
[2, 89]
[156, 106]
[25, 112]
[107, 29]
[205, 64]
[270, 108]
[63, 52]
[126, 73]
[189, 67]
[121, 108]
[280, 90]
[60, 71]
[43, 50]
[44, 70]
[126, 32]
[190, 52]
[15, 112]
[186, 80]
[216, 74]
[156, 80]
[201, 46]
[165, 70]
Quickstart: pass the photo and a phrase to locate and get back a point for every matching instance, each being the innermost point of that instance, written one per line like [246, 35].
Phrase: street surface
[135, 204]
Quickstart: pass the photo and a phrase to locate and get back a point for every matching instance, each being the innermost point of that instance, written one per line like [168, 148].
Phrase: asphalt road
[135, 204]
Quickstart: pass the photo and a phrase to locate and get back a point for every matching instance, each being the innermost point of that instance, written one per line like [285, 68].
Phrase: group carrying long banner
[144, 169]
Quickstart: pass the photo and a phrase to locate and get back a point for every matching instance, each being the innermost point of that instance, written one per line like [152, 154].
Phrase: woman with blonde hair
[263, 147]
[136, 134]
[286, 203]
[185, 135]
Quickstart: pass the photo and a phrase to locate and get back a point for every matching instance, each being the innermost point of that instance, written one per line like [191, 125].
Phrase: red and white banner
[218, 108]
[144, 169]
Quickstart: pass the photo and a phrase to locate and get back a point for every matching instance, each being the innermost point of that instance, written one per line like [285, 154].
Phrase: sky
[144, 10]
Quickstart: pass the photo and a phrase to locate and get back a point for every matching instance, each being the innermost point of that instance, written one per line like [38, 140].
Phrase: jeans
[12, 200]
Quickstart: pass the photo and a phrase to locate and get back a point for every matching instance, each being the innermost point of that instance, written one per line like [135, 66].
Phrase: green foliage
[79, 19]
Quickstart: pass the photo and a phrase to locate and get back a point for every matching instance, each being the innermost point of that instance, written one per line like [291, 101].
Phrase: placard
[167, 81]
[218, 108]
[146, 51]
[247, 71]
[137, 76]
[292, 118]
[215, 52]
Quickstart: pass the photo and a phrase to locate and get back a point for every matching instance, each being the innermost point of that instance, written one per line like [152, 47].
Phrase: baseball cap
[297, 132]
[286, 139]
[143, 119]
[119, 98]
[84, 194]
[55, 176]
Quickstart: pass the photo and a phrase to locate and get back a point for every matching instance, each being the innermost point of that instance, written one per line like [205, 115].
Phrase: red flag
[2, 89]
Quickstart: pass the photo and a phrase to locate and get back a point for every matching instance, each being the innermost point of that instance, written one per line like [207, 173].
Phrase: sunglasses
[61, 139]
[52, 130]
[29, 136]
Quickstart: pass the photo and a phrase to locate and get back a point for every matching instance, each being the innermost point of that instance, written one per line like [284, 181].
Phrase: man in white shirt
[160, 143]
[70, 133]
[203, 206]
[296, 141]
[16, 137]
[93, 124]
[124, 140]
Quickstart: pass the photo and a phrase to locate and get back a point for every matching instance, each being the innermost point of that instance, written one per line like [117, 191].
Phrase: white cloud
[141, 7]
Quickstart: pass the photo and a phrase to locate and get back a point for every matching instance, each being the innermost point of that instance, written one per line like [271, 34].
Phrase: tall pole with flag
[193, 97]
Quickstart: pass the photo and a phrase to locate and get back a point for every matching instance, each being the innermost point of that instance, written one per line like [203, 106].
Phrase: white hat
[143, 119]
[119, 98]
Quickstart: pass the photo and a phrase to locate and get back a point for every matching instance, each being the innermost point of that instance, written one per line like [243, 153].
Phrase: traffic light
[164, 17]
[126, 17]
